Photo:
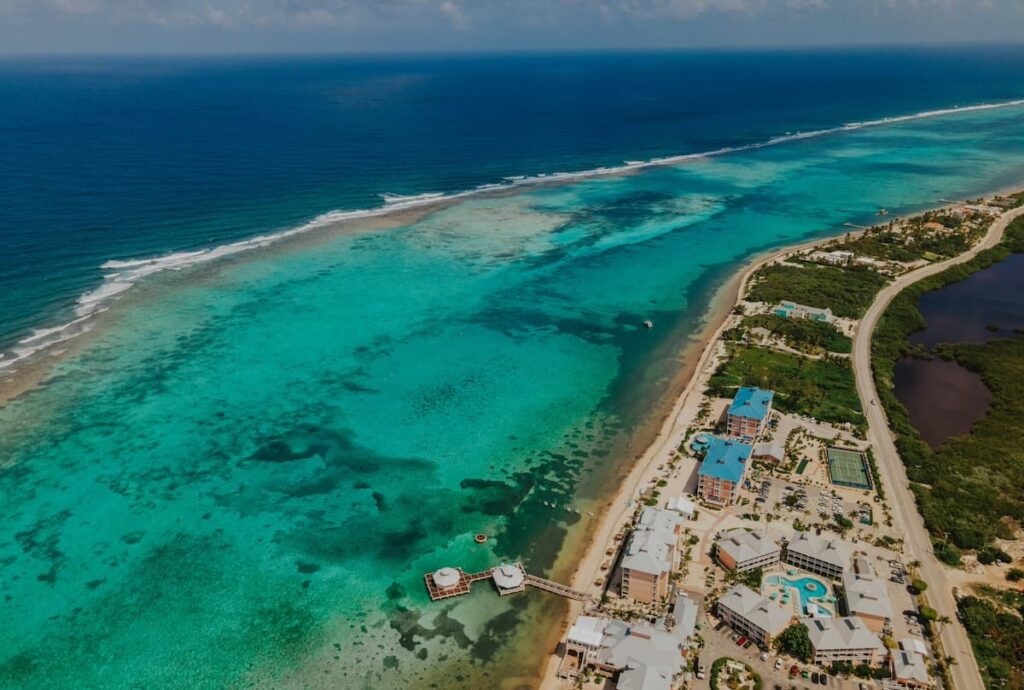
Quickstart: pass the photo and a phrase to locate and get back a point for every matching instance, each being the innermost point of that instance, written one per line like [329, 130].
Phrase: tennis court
[849, 468]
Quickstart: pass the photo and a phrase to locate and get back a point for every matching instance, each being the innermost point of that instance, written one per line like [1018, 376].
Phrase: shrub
[918, 586]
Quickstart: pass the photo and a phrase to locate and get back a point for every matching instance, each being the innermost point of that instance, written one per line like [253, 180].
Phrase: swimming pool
[809, 591]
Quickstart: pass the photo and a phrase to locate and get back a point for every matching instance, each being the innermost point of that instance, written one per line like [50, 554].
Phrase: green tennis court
[849, 468]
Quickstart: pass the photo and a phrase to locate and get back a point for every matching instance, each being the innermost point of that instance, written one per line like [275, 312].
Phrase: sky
[390, 26]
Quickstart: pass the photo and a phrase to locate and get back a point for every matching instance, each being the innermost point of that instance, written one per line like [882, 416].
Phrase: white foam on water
[126, 273]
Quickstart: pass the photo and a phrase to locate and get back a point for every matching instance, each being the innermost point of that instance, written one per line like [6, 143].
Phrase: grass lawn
[823, 389]
[846, 291]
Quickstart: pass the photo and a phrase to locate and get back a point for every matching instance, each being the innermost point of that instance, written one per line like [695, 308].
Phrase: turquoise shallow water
[242, 479]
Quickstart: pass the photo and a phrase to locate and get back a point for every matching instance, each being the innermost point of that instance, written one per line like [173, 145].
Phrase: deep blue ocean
[115, 158]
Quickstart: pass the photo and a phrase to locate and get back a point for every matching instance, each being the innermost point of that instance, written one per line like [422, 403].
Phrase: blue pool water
[810, 590]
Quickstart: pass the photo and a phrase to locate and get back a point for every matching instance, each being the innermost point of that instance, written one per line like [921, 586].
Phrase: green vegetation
[917, 239]
[795, 641]
[967, 486]
[812, 337]
[918, 586]
[846, 291]
[823, 389]
[997, 635]
[993, 554]
[1015, 574]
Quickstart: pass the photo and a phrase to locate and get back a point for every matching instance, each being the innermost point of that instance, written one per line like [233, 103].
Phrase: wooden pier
[508, 579]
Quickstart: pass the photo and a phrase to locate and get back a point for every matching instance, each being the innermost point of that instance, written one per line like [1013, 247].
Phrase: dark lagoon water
[987, 305]
[943, 399]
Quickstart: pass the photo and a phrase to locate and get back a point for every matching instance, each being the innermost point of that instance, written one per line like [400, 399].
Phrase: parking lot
[722, 642]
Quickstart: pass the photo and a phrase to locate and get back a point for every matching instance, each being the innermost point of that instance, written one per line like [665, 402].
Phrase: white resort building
[742, 550]
[819, 555]
[844, 639]
[867, 596]
[753, 615]
[651, 555]
[638, 656]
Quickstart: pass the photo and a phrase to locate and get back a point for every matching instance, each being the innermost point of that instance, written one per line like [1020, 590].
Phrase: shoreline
[681, 416]
[124, 274]
[670, 434]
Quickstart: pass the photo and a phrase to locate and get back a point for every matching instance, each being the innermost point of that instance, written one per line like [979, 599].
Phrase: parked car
[778, 664]
[794, 671]
[814, 677]
[823, 679]
[701, 670]
[742, 641]
[764, 656]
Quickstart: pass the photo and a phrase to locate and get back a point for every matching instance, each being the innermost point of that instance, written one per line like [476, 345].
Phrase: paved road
[918, 545]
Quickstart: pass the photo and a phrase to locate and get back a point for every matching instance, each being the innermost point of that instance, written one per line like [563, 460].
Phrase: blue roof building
[725, 460]
[751, 403]
[720, 475]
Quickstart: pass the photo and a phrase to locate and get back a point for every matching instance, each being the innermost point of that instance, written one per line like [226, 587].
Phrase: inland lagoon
[239, 476]
[942, 398]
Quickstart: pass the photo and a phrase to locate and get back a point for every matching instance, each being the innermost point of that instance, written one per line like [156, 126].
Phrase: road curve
[917, 543]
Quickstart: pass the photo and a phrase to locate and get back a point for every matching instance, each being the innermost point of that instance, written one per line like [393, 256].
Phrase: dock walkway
[511, 583]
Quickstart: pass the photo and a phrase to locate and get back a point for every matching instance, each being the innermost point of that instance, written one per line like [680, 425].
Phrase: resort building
[748, 412]
[651, 555]
[792, 310]
[683, 506]
[738, 549]
[772, 453]
[828, 557]
[721, 473]
[910, 669]
[638, 656]
[867, 596]
[753, 615]
[685, 614]
[838, 257]
[843, 639]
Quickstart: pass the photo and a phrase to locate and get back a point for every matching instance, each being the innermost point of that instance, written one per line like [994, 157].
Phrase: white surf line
[126, 273]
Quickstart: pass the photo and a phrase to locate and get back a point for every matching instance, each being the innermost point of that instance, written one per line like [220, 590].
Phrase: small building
[772, 453]
[638, 656]
[685, 613]
[819, 555]
[843, 639]
[509, 578]
[910, 669]
[683, 506]
[792, 310]
[651, 555]
[748, 412]
[867, 596]
[721, 473]
[760, 334]
[753, 615]
[837, 257]
[741, 550]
